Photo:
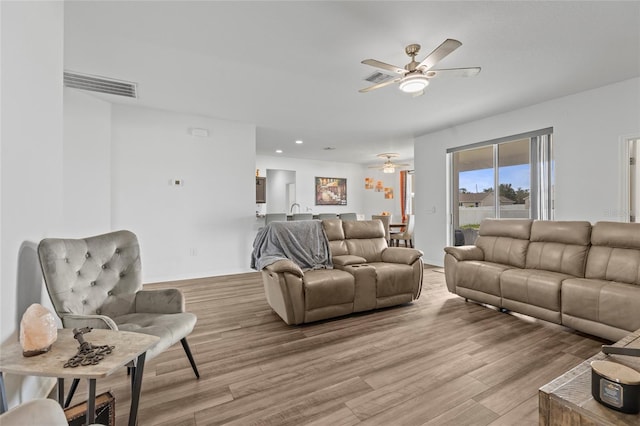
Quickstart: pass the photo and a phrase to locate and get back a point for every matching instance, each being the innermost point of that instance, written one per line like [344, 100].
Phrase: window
[407, 193]
[520, 166]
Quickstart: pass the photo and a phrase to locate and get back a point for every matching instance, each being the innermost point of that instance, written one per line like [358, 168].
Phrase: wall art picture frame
[331, 191]
[368, 183]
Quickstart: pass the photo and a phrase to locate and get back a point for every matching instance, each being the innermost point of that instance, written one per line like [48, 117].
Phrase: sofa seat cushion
[393, 279]
[533, 292]
[347, 259]
[533, 286]
[480, 281]
[327, 287]
[610, 303]
[480, 275]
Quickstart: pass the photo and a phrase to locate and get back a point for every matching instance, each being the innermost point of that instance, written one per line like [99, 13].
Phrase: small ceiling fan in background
[414, 77]
[388, 166]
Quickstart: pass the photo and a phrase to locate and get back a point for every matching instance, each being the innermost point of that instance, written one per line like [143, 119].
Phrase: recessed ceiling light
[299, 142]
[278, 151]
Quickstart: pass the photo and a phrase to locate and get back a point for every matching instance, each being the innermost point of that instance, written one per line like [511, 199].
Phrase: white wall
[31, 162]
[204, 227]
[87, 164]
[359, 200]
[280, 191]
[588, 129]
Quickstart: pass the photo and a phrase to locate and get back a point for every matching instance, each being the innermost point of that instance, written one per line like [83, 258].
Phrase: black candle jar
[616, 386]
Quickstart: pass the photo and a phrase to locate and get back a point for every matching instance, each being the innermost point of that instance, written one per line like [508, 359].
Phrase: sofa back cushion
[335, 235]
[365, 238]
[559, 246]
[505, 241]
[615, 252]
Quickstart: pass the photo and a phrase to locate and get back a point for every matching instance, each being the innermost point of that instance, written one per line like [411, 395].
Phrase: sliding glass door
[521, 169]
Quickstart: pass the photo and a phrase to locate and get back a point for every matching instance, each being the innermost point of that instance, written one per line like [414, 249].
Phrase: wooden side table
[567, 400]
[129, 346]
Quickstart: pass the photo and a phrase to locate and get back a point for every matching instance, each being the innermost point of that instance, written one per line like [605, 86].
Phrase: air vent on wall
[95, 83]
[378, 77]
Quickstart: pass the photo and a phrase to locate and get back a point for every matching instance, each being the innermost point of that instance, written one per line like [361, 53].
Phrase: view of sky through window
[479, 180]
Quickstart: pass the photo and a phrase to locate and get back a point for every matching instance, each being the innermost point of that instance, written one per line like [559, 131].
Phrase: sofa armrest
[284, 265]
[284, 291]
[165, 301]
[348, 259]
[465, 252]
[402, 255]
[93, 321]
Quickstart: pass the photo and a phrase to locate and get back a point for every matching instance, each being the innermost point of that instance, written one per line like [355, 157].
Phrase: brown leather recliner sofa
[567, 272]
[367, 275]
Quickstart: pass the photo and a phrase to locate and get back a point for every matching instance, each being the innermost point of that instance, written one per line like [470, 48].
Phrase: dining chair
[323, 216]
[275, 217]
[348, 216]
[302, 216]
[386, 220]
[97, 282]
[406, 235]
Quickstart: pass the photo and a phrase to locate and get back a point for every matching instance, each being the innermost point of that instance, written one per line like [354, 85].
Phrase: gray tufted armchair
[96, 282]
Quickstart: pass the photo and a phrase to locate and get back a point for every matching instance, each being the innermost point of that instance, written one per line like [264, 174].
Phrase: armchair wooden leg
[185, 345]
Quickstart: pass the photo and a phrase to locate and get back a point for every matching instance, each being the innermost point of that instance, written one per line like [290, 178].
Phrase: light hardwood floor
[437, 361]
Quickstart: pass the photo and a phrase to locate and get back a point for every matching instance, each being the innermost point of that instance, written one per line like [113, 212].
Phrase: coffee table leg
[135, 389]
[91, 402]
[3, 395]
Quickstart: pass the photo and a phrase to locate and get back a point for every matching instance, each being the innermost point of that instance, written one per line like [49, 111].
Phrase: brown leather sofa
[367, 274]
[567, 272]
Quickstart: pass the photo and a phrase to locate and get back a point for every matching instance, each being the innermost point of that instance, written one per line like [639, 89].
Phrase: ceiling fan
[414, 77]
[388, 166]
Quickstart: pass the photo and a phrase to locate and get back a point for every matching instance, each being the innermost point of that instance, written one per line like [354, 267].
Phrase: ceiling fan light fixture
[414, 83]
[388, 168]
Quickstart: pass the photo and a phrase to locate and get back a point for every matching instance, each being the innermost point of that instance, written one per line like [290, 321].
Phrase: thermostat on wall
[200, 133]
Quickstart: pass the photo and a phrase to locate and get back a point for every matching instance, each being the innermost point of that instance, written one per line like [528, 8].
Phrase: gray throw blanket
[303, 241]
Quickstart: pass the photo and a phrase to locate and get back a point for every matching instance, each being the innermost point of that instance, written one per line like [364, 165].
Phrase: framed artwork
[331, 191]
[368, 183]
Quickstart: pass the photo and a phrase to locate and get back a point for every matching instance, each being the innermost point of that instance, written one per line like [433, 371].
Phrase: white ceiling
[293, 68]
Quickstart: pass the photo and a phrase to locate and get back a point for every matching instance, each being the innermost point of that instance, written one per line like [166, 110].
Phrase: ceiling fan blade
[379, 85]
[384, 66]
[416, 94]
[439, 53]
[453, 72]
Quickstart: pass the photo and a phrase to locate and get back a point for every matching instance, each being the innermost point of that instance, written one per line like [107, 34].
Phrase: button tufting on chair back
[98, 275]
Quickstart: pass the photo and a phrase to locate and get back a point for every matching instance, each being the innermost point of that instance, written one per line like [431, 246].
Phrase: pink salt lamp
[38, 330]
